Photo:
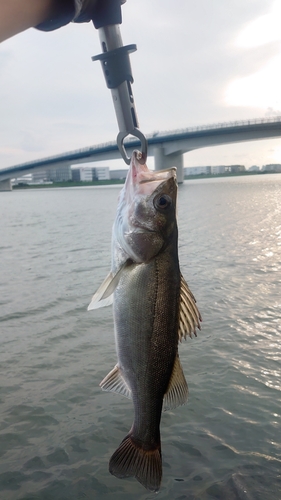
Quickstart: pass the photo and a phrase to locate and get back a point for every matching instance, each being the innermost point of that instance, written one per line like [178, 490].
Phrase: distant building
[86, 174]
[214, 170]
[272, 167]
[218, 169]
[254, 168]
[234, 169]
[59, 174]
[197, 170]
[39, 177]
[75, 174]
[24, 179]
[101, 173]
[118, 174]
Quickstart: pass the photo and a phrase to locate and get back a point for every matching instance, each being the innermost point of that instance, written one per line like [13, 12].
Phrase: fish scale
[153, 309]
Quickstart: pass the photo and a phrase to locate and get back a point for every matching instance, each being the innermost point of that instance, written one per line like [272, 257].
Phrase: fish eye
[163, 202]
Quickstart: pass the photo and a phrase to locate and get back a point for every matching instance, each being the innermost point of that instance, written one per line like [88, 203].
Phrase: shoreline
[122, 181]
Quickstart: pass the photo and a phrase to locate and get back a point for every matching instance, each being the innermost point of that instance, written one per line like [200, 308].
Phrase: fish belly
[146, 305]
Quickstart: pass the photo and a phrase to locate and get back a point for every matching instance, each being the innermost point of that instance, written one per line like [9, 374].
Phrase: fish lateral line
[148, 368]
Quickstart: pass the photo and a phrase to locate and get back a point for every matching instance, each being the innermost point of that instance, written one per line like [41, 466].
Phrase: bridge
[167, 147]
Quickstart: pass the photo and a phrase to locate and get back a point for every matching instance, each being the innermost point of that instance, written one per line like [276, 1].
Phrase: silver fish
[153, 310]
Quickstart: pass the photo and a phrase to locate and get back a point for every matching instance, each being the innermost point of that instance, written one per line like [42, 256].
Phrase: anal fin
[114, 382]
[177, 392]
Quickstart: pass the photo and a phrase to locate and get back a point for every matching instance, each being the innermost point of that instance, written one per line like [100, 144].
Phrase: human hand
[101, 12]
[94, 10]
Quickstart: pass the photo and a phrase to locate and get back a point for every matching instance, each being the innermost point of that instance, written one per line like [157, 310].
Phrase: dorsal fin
[177, 392]
[190, 316]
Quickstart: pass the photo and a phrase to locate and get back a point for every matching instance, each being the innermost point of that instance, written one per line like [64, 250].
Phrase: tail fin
[130, 459]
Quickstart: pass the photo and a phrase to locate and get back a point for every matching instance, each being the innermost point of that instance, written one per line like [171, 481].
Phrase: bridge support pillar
[163, 161]
[5, 185]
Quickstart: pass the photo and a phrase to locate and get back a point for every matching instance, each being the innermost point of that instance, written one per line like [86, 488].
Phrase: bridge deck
[177, 141]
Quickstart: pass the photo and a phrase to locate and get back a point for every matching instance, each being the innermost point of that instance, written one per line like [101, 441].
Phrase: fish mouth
[160, 175]
[141, 180]
[142, 229]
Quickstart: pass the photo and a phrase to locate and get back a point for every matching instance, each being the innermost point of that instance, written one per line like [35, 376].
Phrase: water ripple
[58, 429]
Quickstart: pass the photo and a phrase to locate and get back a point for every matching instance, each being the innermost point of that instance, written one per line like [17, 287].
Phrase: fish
[153, 311]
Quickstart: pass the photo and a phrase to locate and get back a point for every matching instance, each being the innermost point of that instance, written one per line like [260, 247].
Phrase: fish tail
[132, 459]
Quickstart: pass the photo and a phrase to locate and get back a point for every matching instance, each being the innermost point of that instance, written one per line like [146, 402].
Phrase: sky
[197, 63]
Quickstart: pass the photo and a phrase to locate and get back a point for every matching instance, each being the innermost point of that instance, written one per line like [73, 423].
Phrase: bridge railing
[219, 125]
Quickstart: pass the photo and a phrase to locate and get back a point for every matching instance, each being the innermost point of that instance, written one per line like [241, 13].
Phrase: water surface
[58, 429]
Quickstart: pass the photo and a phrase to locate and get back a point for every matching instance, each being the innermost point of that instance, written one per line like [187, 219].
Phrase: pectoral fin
[114, 382]
[190, 316]
[177, 392]
[104, 295]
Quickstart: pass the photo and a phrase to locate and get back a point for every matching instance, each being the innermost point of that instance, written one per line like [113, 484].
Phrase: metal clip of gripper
[118, 76]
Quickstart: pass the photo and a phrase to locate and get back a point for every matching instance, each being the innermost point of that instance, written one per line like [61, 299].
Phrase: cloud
[260, 89]
[187, 70]
[264, 29]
